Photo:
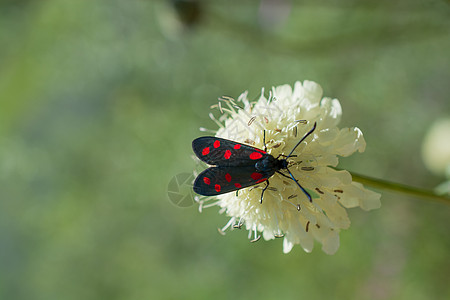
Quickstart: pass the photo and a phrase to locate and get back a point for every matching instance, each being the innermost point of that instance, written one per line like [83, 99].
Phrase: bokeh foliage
[100, 100]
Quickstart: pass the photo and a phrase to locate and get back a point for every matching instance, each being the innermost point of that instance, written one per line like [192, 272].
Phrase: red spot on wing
[205, 151]
[207, 180]
[227, 154]
[256, 176]
[237, 146]
[228, 177]
[255, 155]
[216, 144]
[237, 185]
[217, 187]
[261, 180]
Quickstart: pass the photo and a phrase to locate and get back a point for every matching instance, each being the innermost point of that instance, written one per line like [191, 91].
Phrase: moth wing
[226, 153]
[220, 180]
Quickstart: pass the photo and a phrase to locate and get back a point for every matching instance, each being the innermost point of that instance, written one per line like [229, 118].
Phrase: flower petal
[331, 112]
[348, 141]
[331, 243]
[356, 195]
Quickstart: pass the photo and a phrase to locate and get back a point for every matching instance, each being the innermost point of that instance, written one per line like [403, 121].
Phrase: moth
[236, 166]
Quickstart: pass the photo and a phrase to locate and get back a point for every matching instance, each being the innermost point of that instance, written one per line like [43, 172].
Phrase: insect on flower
[238, 166]
[256, 142]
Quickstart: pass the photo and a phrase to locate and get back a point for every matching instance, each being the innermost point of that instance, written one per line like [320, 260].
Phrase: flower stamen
[257, 237]
[252, 119]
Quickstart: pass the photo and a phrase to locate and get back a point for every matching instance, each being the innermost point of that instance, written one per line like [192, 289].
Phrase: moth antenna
[302, 139]
[303, 190]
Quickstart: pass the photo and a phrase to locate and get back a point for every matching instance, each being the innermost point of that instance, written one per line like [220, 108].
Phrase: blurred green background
[100, 101]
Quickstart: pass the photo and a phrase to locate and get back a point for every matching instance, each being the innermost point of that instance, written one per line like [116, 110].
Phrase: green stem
[400, 188]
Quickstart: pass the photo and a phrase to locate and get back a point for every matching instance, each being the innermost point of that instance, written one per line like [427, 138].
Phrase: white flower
[285, 117]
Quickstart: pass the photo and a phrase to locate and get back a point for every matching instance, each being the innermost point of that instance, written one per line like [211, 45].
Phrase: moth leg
[284, 175]
[262, 194]
[282, 155]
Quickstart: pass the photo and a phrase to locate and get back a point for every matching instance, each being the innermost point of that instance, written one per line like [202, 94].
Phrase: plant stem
[400, 188]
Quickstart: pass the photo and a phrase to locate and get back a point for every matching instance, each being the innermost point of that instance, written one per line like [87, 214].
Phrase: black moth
[236, 166]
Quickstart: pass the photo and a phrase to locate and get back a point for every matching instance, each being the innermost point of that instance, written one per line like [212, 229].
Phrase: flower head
[282, 120]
